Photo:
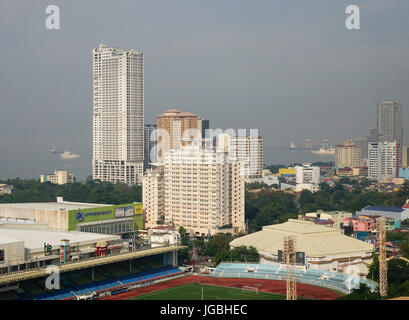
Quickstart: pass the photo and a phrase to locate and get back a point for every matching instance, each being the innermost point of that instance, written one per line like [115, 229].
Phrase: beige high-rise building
[172, 134]
[203, 191]
[347, 155]
[59, 177]
[405, 156]
[153, 196]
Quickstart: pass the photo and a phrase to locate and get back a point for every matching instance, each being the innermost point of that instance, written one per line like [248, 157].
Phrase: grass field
[193, 291]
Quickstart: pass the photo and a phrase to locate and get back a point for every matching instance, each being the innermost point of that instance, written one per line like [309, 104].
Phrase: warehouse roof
[34, 239]
[60, 205]
[380, 208]
[314, 240]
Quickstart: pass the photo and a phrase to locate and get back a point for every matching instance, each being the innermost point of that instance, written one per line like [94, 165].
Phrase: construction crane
[383, 263]
[289, 252]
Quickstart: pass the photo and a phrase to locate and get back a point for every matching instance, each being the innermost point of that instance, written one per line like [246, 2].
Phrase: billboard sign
[129, 211]
[300, 258]
[119, 212]
[86, 215]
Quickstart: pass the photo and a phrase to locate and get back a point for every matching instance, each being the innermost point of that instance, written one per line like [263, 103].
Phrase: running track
[274, 286]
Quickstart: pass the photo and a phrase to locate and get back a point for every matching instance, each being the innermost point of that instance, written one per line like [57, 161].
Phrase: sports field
[193, 291]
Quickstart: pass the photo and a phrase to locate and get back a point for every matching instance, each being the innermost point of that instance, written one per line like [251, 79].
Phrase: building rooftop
[381, 208]
[59, 205]
[34, 239]
[315, 240]
[176, 112]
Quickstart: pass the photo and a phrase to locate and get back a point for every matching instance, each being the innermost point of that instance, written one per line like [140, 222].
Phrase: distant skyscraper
[390, 122]
[383, 160]
[149, 143]
[118, 103]
[373, 134]
[362, 143]
[203, 125]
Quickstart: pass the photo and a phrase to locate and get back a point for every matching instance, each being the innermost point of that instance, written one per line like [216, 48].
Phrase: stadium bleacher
[109, 284]
[332, 280]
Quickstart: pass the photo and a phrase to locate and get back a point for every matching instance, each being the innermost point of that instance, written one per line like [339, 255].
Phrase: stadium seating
[109, 284]
[333, 280]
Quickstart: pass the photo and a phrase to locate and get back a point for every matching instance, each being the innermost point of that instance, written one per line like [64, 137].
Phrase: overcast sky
[287, 67]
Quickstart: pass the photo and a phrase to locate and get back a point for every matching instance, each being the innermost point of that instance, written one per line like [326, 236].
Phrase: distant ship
[324, 151]
[293, 146]
[53, 150]
[67, 154]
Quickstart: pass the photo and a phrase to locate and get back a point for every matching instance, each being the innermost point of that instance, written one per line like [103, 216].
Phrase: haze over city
[290, 69]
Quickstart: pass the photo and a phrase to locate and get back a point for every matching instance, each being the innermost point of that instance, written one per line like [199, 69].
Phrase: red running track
[274, 286]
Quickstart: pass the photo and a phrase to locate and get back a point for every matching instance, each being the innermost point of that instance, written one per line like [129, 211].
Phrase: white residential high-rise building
[153, 196]
[307, 178]
[118, 107]
[390, 122]
[203, 191]
[248, 150]
[383, 159]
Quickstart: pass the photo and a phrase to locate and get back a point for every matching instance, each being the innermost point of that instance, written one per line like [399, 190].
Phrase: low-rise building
[317, 247]
[336, 216]
[5, 188]
[159, 237]
[59, 177]
[21, 249]
[307, 178]
[63, 215]
[404, 173]
[400, 213]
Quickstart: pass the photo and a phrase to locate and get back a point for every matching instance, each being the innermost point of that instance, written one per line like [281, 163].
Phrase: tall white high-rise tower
[118, 126]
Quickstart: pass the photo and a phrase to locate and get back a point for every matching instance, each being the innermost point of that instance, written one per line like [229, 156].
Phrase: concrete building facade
[59, 177]
[175, 129]
[383, 159]
[153, 197]
[118, 108]
[347, 155]
[204, 192]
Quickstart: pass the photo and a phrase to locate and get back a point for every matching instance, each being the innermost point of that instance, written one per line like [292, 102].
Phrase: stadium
[100, 266]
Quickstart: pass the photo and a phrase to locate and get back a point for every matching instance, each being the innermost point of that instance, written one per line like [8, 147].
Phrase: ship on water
[293, 146]
[324, 151]
[68, 154]
[53, 150]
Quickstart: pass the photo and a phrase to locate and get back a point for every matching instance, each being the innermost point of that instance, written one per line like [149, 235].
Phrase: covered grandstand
[99, 281]
[332, 280]
[317, 247]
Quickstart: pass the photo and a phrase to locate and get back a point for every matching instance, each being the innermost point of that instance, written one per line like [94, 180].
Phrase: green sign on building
[133, 210]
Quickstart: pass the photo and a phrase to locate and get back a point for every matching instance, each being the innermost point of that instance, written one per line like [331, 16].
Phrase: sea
[30, 163]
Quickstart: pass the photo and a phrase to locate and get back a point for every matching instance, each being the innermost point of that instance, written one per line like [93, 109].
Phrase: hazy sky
[288, 67]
